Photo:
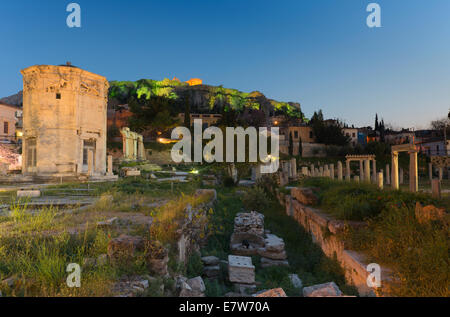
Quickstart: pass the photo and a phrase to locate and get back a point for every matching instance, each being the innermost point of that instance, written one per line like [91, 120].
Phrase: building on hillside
[304, 133]
[119, 117]
[434, 147]
[208, 120]
[195, 82]
[64, 121]
[427, 135]
[352, 134]
[399, 137]
[9, 117]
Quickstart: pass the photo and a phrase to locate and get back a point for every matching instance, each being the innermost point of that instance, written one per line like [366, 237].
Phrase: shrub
[255, 199]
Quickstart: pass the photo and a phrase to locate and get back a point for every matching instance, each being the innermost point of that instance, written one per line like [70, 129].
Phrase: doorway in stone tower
[88, 145]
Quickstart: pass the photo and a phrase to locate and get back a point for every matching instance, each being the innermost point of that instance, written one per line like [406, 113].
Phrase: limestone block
[197, 284]
[296, 281]
[28, 193]
[277, 292]
[210, 260]
[132, 173]
[241, 269]
[265, 262]
[211, 271]
[304, 195]
[322, 290]
[124, 247]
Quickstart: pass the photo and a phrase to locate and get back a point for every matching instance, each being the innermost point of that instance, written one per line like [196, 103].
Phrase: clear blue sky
[317, 52]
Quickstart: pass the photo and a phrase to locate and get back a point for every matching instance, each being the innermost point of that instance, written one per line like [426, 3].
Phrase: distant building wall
[8, 121]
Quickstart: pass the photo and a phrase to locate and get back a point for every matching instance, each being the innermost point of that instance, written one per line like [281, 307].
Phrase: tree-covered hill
[202, 98]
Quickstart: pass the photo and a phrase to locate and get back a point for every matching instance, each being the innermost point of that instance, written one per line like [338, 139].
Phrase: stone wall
[325, 231]
[313, 150]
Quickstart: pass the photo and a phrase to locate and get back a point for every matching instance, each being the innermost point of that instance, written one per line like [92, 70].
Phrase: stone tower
[64, 121]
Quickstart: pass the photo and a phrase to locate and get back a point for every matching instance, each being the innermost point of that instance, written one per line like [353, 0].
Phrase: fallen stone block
[274, 243]
[107, 223]
[124, 247]
[429, 213]
[265, 262]
[273, 255]
[197, 284]
[305, 196]
[277, 292]
[132, 173]
[241, 270]
[28, 193]
[322, 290]
[211, 271]
[296, 281]
[210, 260]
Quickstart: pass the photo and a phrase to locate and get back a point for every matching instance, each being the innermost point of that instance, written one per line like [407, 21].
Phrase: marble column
[110, 165]
[413, 172]
[388, 175]
[347, 171]
[380, 180]
[401, 177]
[332, 171]
[394, 172]
[367, 171]
[374, 171]
[339, 172]
[361, 170]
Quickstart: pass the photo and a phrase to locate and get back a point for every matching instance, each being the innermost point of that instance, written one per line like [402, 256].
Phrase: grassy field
[416, 252]
[37, 245]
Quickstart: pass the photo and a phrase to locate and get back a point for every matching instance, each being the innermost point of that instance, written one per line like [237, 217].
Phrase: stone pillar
[321, 171]
[401, 177]
[347, 171]
[332, 171]
[380, 180]
[356, 178]
[374, 171]
[294, 167]
[413, 172]
[361, 170]
[367, 171]
[394, 171]
[110, 165]
[326, 171]
[90, 163]
[388, 175]
[339, 168]
[305, 171]
[436, 188]
[312, 170]
[430, 171]
[441, 173]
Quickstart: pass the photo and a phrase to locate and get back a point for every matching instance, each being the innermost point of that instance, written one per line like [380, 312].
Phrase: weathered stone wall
[63, 106]
[324, 231]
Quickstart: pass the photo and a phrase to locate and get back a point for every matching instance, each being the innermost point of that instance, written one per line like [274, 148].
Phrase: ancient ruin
[64, 121]
[133, 145]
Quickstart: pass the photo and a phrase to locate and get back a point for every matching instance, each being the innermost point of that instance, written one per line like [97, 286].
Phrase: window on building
[354, 135]
[6, 127]
[58, 96]
[296, 134]
[205, 125]
[31, 152]
[310, 134]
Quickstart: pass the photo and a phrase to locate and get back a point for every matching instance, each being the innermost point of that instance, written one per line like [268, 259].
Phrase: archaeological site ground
[192, 151]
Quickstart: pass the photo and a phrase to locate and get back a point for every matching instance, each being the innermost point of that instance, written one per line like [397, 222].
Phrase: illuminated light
[166, 141]
[19, 134]
[194, 172]
[276, 122]
[159, 133]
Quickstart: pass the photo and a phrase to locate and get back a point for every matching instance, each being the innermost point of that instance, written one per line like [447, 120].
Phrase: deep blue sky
[317, 52]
